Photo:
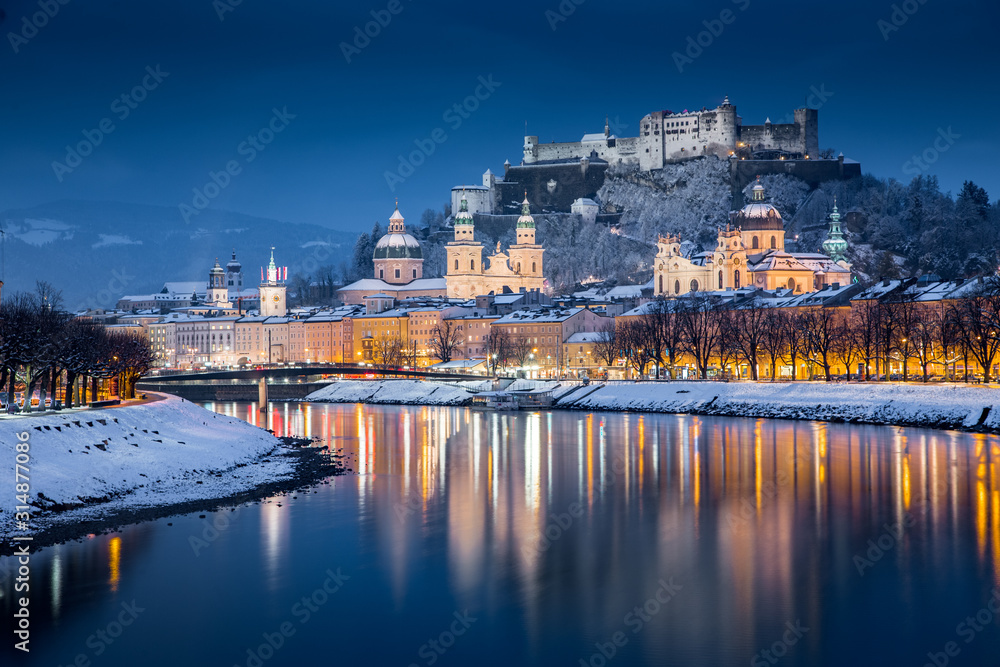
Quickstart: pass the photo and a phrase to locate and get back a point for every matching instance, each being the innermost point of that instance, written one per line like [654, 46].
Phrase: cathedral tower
[465, 256]
[526, 255]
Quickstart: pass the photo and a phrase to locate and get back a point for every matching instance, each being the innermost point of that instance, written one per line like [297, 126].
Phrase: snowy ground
[937, 406]
[403, 392]
[156, 454]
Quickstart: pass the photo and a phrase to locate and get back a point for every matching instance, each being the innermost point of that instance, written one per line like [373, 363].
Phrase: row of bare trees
[872, 334]
[43, 347]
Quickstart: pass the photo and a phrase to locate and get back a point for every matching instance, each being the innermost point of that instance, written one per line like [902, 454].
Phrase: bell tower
[730, 261]
[465, 256]
[526, 255]
[272, 290]
[218, 292]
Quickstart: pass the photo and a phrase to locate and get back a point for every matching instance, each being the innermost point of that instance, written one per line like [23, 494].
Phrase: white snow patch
[149, 455]
[114, 239]
[403, 392]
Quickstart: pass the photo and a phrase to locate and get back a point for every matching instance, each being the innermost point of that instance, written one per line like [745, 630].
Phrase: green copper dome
[464, 217]
[525, 221]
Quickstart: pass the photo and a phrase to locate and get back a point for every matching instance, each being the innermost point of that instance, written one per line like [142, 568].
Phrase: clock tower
[272, 290]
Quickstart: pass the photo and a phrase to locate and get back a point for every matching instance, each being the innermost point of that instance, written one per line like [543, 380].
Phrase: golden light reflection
[995, 531]
[114, 561]
[495, 489]
[757, 464]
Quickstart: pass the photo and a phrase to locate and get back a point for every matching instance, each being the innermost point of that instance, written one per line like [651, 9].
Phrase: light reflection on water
[553, 526]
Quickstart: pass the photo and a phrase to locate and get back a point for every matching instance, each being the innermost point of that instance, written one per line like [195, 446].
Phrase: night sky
[885, 94]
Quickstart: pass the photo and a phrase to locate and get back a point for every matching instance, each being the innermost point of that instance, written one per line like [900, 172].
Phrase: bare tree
[635, 335]
[519, 350]
[48, 296]
[843, 344]
[607, 345]
[978, 319]
[821, 327]
[132, 358]
[699, 330]
[727, 346]
[387, 351]
[924, 337]
[865, 333]
[749, 328]
[445, 340]
[796, 341]
[497, 350]
[773, 338]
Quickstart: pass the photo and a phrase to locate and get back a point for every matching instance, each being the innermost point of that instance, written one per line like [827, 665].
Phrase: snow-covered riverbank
[935, 406]
[96, 464]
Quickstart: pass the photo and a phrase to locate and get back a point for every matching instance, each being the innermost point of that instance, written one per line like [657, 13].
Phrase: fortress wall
[571, 182]
[813, 172]
[784, 136]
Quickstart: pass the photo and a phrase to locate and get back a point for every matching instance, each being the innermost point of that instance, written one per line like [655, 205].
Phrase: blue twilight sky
[885, 94]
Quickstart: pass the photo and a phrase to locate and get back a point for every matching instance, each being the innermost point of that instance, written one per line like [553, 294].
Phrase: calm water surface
[556, 538]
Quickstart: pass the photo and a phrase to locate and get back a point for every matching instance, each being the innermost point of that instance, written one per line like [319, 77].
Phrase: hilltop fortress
[666, 136]
[565, 177]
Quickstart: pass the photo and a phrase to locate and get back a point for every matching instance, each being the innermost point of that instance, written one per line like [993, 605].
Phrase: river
[555, 538]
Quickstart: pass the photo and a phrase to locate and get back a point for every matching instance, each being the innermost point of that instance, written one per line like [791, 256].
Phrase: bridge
[302, 371]
[280, 382]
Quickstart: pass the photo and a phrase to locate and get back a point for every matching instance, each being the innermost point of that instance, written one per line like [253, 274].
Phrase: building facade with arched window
[750, 252]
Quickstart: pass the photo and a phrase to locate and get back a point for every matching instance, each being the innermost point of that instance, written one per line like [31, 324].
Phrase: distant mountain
[95, 252]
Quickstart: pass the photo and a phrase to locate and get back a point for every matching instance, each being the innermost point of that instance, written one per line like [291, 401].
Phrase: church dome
[216, 269]
[758, 214]
[397, 244]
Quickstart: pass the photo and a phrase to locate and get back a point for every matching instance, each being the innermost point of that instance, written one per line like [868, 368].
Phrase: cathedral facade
[519, 268]
[750, 252]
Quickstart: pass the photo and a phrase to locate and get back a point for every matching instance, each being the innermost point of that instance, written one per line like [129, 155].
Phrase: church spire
[526, 220]
[835, 245]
